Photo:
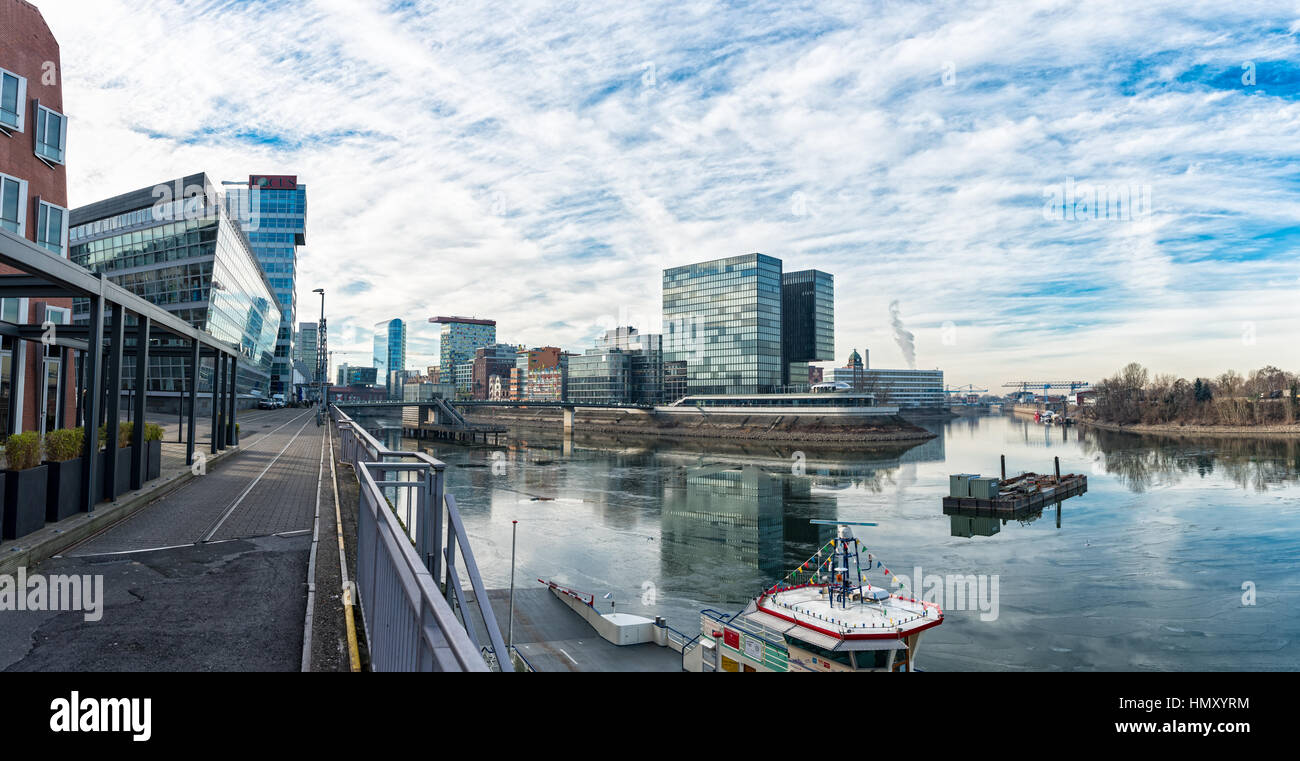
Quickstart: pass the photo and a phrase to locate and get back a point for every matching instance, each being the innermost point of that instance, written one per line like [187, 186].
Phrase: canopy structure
[108, 339]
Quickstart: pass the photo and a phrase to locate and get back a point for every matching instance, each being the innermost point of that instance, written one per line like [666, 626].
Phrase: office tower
[807, 323]
[390, 356]
[723, 319]
[272, 210]
[176, 244]
[458, 340]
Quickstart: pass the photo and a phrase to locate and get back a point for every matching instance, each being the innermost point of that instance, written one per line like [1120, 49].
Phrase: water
[1149, 570]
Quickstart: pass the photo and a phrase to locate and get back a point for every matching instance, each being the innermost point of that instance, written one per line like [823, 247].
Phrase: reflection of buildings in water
[739, 528]
[1143, 461]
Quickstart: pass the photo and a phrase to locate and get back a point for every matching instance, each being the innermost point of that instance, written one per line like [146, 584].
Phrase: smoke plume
[903, 337]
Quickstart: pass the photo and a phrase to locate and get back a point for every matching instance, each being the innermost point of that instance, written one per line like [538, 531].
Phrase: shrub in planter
[25, 485]
[153, 434]
[63, 459]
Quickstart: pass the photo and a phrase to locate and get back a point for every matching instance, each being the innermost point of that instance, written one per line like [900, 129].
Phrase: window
[51, 134]
[13, 205]
[52, 228]
[13, 93]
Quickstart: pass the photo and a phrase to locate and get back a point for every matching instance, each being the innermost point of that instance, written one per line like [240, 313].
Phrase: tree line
[1265, 396]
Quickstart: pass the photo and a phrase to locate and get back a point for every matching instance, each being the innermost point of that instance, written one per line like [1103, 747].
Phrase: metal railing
[407, 580]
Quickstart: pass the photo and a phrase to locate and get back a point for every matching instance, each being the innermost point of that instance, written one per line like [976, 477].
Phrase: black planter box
[154, 451]
[24, 510]
[122, 478]
[63, 492]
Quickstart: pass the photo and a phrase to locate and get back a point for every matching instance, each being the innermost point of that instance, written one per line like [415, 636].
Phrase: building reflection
[728, 531]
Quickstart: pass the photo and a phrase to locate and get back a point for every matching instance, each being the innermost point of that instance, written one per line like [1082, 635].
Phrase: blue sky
[541, 164]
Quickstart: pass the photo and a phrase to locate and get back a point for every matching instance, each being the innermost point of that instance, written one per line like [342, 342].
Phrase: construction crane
[1029, 387]
[969, 388]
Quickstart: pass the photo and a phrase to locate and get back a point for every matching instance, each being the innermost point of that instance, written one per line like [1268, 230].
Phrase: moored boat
[825, 615]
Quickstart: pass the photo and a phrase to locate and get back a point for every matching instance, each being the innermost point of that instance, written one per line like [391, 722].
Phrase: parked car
[266, 404]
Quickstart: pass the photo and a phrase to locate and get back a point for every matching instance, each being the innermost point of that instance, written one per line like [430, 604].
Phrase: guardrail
[406, 567]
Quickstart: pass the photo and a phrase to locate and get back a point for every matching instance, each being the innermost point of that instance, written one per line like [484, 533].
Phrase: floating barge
[1024, 494]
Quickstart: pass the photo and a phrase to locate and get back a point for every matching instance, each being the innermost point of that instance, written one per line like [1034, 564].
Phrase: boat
[825, 615]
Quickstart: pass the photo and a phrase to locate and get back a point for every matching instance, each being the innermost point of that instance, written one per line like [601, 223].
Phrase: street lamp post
[320, 335]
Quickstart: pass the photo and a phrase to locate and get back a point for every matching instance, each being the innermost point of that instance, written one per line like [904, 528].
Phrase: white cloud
[514, 161]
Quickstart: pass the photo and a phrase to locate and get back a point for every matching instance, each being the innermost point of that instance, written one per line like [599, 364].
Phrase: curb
[55, 538]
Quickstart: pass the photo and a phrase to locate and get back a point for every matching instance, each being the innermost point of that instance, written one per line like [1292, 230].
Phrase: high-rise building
[723, 319]
[272, 209]
[390, 355]
[176, 245]
[37, 389]
[459, 338]
[807, 323]
[306, 340]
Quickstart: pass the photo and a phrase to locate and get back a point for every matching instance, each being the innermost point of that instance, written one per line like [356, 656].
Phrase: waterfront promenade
[212, 576]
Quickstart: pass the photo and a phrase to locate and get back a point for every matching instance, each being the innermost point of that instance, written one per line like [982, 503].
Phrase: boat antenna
[842, 585]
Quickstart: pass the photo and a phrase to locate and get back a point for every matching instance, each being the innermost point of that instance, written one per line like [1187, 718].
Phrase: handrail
[413, 568]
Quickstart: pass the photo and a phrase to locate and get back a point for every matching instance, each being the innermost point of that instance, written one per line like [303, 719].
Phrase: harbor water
[1184, 554]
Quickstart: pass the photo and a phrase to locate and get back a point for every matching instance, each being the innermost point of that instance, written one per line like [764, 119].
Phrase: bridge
[441, 418]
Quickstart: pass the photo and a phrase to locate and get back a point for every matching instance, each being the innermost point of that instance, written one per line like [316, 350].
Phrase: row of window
[51, 134]
[51, 220]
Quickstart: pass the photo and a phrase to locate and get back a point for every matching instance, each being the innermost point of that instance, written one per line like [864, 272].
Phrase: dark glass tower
[807, 322]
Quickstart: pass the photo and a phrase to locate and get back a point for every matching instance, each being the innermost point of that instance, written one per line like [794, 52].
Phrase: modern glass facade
[305, 344]
[192, 259]
[624, 367]
[807, 322]
[723, 319]
[273, 213]
[460, 337]
[390, 355]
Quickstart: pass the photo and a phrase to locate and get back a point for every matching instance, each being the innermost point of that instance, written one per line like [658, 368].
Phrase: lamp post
[320, 381]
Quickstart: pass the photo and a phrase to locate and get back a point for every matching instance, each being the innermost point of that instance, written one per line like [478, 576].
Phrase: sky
[541, 163]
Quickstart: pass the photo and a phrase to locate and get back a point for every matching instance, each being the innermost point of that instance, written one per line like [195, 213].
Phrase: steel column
[194, 401]
[216, 396]
[139, 458]
[231, 438]
[90, 471]
[113, 409]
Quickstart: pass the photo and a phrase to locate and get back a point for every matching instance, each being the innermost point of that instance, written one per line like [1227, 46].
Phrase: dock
[552, 637]
[1021, 495]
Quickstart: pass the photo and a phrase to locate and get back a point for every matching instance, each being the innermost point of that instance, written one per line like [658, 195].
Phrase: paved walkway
[210, 577]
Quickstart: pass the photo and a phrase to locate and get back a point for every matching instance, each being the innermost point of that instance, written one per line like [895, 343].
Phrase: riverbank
[765, 427]
[1275, 431]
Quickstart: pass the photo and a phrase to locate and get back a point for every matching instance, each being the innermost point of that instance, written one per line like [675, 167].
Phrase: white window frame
[22, 104]
[63, 135]
[22, 202]
[63, 234]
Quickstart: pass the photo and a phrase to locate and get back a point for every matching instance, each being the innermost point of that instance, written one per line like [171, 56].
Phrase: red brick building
[36, 381]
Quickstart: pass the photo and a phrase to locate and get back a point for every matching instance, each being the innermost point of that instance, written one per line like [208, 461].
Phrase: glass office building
[459, 338]
[190, 257]
[807, 322]
[272, 209]
[390, 356]
[723, 319]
